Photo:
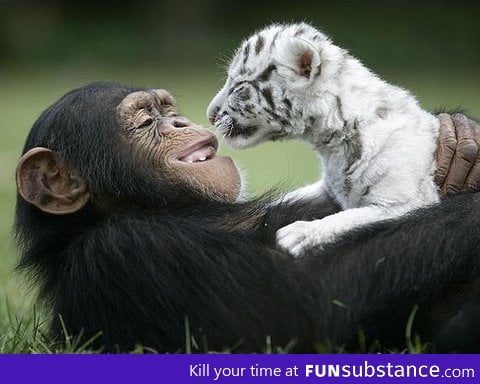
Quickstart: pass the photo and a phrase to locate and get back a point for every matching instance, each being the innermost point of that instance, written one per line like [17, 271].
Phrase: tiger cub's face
[267, 90]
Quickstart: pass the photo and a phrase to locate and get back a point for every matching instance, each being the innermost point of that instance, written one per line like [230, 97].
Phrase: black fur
[266, 74]
[267, 95]
[259, 44]
[161, 254]
[246, 52]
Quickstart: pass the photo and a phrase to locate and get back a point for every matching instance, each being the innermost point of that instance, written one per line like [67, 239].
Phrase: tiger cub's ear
[299, 55]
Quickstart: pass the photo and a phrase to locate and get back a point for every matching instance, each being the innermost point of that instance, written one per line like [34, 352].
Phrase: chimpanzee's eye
[146, 123]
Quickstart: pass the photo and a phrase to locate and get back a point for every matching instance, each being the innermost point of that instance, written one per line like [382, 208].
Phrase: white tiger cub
[377, 145]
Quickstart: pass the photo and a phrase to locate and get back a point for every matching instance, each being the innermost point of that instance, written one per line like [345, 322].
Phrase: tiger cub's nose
[212, 115]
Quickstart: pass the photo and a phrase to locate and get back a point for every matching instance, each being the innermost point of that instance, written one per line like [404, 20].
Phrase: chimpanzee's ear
[299, 55]
[45, 181]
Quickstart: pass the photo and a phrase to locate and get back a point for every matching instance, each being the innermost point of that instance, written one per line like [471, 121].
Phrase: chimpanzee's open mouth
[201, 151]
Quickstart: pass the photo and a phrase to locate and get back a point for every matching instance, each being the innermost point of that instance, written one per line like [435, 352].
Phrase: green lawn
[25, 93]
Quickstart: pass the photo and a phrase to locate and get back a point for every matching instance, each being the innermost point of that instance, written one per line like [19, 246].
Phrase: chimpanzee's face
[179, 149]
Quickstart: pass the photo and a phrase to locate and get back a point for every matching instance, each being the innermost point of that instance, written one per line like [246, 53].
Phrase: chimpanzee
[134, 228]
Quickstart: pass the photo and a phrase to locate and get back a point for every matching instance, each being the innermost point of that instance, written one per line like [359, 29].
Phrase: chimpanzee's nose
[171, 122]
[181, 122]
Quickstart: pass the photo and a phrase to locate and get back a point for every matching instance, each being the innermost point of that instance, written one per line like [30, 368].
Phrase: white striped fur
[376, 143]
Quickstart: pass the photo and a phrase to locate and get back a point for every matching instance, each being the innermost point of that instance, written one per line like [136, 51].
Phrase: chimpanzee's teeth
[199, 155]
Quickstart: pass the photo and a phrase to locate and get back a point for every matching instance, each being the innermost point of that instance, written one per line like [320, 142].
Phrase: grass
[25, 93]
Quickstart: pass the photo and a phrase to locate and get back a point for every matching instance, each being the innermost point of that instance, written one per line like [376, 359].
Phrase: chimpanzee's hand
[458, 155]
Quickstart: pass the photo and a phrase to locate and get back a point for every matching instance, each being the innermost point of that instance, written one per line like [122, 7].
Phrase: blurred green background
[48, 48]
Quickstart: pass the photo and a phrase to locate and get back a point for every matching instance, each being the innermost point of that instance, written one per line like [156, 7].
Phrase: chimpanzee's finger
[473, 179]
[464, 156]
[447, 143]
